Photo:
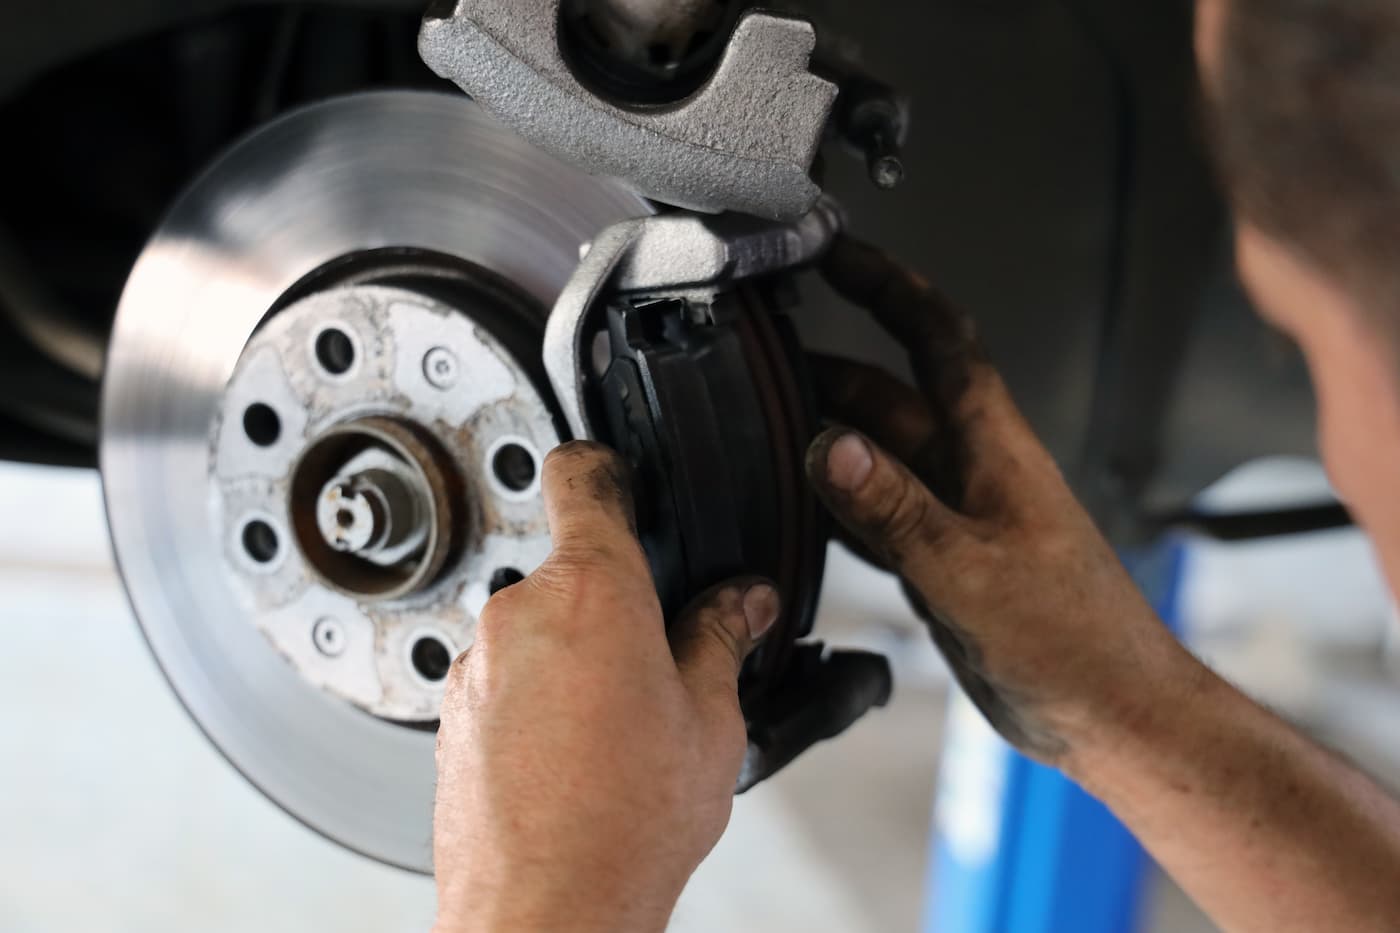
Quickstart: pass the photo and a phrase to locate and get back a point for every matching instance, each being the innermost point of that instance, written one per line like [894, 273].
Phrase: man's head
[1303, 97]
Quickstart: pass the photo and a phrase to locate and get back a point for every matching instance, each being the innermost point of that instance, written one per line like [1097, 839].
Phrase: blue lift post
[1017, 847]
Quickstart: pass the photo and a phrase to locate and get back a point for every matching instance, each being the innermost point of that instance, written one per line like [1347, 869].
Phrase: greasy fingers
[982, 456]
[588, 501]
[897, 418]
[587, 763]
[892, 413]
[715, 634]
[941, 340]
[1025, 599]
[878, 500]
[710, 641]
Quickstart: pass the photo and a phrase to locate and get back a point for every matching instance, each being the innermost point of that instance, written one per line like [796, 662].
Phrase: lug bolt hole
[431, 658]
[335, 351]
[260, 541]
[514, 467]
[504, 577]
[261, 424]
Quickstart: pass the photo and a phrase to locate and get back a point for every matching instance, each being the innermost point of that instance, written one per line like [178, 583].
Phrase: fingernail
[849, 462]
[761, 605]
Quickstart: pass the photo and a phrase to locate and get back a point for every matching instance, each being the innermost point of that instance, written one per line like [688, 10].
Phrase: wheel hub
[363, 489]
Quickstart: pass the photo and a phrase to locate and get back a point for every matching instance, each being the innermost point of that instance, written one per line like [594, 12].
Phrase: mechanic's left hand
[586, 764]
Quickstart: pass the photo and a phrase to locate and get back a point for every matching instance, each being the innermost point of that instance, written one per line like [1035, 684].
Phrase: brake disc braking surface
[352, 299]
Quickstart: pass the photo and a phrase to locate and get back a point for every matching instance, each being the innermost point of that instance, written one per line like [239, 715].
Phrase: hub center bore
[384, 517]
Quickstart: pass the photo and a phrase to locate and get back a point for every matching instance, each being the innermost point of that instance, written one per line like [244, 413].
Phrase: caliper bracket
[745, 141]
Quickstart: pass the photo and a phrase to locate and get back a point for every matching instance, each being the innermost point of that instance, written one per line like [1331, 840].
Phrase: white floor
[116, 814]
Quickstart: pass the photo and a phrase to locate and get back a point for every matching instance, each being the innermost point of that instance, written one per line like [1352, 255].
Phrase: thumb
[715, 634]
[879, 501]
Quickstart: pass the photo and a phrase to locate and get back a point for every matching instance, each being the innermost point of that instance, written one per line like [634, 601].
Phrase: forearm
[531, 903]
[1265, 830]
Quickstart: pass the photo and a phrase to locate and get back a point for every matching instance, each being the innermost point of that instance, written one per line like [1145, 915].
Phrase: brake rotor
[343, 309]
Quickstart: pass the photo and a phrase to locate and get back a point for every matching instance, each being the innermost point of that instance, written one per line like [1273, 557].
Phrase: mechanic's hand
[949, 488]
[586, 764]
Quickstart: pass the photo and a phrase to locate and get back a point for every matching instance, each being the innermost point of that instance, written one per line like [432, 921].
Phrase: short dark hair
[1306, 114]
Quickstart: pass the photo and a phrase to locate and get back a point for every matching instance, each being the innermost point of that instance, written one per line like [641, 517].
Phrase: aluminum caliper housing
[745, 141]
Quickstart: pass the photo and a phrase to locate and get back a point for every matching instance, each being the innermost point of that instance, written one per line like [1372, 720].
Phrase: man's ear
[1287, 290]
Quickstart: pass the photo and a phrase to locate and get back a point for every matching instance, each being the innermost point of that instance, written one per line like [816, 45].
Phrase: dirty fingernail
[761, 605]
[849, 462]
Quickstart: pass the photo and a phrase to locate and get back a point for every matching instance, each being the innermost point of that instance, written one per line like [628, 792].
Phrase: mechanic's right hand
[949, 488]
[587, 755]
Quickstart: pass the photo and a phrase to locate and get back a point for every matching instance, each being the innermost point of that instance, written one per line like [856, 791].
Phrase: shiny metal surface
[379, 170]
[671, 254]
[745, 141]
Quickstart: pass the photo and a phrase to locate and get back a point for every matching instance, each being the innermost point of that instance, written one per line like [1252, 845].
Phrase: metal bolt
[347, 517]
[885, 167]
[440, 368]
[329, 637]
[373, 512]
